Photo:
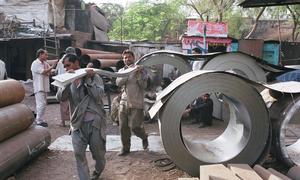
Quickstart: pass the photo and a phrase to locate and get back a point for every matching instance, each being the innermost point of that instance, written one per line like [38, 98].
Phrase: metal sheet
[247, 130]
[63, 80]
[14, 119]
[20, 149]
[11, 92]
[285, 114]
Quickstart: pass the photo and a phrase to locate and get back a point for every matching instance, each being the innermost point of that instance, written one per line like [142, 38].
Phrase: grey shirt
[87, 97]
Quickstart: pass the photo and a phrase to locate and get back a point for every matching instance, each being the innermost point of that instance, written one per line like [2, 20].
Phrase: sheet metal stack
[19, 141]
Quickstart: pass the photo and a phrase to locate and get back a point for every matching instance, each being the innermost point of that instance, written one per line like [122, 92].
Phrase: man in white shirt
[40, 74]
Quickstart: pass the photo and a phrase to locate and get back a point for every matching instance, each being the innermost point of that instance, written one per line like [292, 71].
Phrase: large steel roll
[14, 119]
[246, 135]
[11, 92]
[239, 63]
[285, 113]
[16, 151]
[166, 58]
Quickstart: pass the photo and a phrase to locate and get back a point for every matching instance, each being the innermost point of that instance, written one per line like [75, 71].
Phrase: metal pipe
[11, 92]
[14, 119]
[16, 151]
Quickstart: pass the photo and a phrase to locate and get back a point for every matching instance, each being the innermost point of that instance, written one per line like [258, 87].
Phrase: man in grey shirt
[87, 117]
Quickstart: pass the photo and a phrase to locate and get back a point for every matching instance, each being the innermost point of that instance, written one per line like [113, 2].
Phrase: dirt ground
[60, 165]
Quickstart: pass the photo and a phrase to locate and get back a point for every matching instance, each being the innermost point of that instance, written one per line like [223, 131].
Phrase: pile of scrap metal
[23, 18]
[20, 142]
[237, 80]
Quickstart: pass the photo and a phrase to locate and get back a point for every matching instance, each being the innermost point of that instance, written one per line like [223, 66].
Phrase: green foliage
[148, 21]
[112, 12]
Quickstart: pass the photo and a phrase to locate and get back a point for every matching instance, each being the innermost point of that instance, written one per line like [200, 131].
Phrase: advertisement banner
[213, 29]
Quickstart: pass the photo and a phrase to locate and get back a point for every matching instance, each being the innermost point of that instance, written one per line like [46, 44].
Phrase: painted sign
[192, 42]
[213, 29]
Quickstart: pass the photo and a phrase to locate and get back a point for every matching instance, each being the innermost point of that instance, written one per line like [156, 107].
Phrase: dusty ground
[60, 165]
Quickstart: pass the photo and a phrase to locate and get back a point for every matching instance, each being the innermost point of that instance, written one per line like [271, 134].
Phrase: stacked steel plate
[19, 141]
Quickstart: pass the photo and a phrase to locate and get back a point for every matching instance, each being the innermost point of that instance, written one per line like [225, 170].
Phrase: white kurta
[40, 81]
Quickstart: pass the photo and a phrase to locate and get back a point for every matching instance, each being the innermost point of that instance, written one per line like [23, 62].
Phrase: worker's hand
[89, 65]
[89, 72]
[77, 82]
[71, 71]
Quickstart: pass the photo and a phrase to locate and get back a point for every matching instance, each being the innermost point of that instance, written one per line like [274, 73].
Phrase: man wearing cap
[40, 74]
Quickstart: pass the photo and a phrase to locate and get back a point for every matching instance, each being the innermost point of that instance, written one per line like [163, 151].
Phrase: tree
[144, 20]
[112, 12]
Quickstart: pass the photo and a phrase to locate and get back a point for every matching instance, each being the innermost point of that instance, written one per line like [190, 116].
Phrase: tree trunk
[256, 23]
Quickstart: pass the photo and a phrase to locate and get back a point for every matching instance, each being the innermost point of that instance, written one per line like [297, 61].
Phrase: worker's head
[206, 96]
[42, 54]
[128, 57]
[197, 51]
[84, 60]
[71, 61]
[70, 50]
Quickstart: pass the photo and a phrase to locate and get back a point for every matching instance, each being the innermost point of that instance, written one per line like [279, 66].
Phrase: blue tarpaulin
[289, 76]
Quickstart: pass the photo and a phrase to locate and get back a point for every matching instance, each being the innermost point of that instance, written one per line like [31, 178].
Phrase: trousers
[41, 102]
[88, 135]
[131, 119]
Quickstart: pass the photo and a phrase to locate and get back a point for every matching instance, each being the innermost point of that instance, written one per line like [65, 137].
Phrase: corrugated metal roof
[261, 3]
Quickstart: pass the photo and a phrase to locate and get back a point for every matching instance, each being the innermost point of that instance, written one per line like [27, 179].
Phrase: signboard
[192, 42]
[213, 29]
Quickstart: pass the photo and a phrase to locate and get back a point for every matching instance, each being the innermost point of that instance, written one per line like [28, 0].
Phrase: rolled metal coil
[239, 63]
[247, 130]
[285, 113]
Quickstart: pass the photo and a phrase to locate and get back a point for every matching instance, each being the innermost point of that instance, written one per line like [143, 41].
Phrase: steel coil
[20, 149]
[164, 58]
[239, 63]
[11, 92]
[247, 130]
[285, 113]
[14, 119]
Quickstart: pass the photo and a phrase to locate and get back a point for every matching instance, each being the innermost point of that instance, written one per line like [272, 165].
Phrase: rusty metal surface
[253, 47]
[14, 119]
[92, 51]
[11, 92]
[16, 151]
[105, 56]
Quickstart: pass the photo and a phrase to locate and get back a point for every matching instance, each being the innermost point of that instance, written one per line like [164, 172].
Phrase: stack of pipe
[19, 141]
[106, 58]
